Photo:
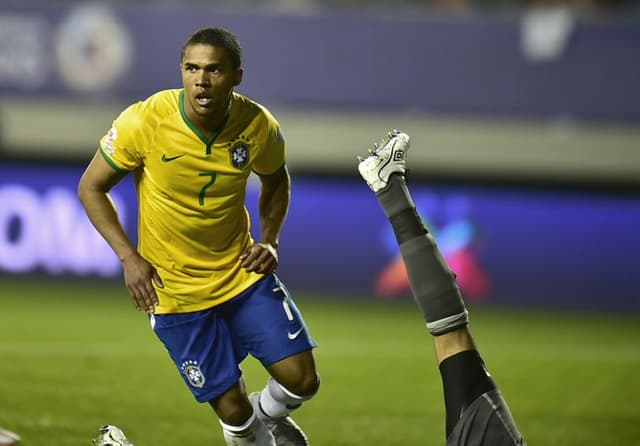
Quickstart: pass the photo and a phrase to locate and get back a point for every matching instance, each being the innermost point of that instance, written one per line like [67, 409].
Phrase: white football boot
[8, 438]
[285, 430]
[111, 436]
[388, 157]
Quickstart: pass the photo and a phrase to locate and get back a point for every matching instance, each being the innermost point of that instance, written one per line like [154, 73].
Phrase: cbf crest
[192, 372]
[239, 153]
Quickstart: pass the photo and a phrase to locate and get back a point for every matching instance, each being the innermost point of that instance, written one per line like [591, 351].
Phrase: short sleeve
[272, 155]
[126, 141]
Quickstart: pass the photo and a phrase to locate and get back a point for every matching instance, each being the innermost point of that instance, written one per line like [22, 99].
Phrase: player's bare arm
[273, 206]
[93, 191]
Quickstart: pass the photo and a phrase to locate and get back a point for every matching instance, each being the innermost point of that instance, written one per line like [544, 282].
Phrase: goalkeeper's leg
[464, 376]
[438, 296]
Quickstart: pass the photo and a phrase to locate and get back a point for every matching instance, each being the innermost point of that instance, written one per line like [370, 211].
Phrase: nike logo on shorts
[295, 334]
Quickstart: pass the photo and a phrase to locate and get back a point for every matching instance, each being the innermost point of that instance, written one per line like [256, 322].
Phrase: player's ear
[237, 77]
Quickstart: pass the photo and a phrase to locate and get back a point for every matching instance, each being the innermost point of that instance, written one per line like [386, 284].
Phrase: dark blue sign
[509, 246]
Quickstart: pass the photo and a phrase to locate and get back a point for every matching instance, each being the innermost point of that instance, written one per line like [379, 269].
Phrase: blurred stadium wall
[524, 122]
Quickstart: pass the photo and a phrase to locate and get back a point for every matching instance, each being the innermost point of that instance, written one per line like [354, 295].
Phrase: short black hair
[217, 37]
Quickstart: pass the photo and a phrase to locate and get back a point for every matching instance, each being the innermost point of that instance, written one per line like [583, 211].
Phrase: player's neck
[212, 124]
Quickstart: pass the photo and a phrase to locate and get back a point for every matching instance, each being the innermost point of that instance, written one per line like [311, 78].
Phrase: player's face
[208, 78]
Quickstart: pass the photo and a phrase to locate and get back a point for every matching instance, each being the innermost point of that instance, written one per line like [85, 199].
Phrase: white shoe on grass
[8, 438]
[111, 436]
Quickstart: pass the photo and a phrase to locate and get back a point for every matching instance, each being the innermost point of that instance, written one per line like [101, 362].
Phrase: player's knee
[236, 417]
[296, 375]
[310, 385]
[306, 386]
[233, 413]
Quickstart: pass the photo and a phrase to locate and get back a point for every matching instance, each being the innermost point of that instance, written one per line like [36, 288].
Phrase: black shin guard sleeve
[407, 225]
[464, 379]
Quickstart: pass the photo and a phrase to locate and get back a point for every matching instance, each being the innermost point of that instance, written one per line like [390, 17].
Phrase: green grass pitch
[74, 356]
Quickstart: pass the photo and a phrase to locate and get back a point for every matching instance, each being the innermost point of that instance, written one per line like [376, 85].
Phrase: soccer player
[476, 413]
[209, 289]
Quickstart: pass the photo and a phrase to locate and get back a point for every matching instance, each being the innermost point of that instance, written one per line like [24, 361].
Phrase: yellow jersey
[192, 220]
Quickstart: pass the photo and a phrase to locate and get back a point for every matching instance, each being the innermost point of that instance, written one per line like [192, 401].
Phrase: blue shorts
[207, 346]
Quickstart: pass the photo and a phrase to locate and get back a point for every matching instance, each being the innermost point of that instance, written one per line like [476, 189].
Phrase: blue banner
[509, 246]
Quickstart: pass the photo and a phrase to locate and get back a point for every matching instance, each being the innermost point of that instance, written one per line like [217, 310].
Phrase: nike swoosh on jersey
[166, 159]
[295, 334]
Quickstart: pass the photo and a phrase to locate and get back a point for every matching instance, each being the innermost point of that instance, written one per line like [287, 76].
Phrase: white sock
[252, 433]
[277, 402]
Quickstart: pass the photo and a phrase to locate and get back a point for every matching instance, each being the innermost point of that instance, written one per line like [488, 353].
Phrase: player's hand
[138, 277]
[261, 258]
